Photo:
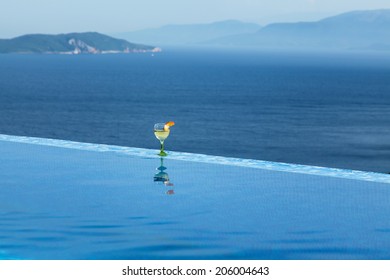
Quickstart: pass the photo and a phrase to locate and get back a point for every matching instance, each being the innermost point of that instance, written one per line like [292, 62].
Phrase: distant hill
[353, 30]
[72, 43]
[189, 33]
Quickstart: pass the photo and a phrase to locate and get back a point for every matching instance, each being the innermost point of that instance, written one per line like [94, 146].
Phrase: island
[72, 43]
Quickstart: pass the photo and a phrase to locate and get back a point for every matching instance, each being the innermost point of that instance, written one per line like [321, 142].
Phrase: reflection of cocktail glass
[163, 177]
[161, 131]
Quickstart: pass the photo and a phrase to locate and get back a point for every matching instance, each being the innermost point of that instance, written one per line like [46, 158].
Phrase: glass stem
[162, 146]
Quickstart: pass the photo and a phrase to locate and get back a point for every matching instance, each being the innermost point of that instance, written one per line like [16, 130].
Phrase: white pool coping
[251, 163]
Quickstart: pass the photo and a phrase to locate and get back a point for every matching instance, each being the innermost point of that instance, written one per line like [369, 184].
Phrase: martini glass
[161, 134]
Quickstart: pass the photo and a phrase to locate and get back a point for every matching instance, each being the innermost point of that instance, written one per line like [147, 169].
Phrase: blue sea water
[329, 109]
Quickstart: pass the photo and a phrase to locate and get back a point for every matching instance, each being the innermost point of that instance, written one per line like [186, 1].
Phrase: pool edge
[251, 163]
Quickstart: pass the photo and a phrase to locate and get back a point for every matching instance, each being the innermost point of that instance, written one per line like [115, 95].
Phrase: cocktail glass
[161, 131]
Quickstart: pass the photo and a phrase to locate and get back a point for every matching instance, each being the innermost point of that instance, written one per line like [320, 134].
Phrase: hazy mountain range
[189, 33]
[72, 43]
[361, 30]
[352, 30]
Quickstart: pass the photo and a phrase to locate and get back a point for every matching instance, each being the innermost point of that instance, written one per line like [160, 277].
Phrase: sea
[315, 108]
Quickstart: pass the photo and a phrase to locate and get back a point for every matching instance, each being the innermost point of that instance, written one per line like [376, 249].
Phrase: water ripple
[47, 239]
[383, 230]
[98, 226]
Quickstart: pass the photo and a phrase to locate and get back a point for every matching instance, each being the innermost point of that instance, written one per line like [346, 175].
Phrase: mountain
[72, 43]
[352, 30]
[189, 33]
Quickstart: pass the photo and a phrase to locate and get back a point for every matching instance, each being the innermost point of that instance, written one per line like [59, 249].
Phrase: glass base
[162, 154]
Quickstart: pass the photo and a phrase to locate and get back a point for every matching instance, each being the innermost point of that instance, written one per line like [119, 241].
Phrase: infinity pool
[68, 200]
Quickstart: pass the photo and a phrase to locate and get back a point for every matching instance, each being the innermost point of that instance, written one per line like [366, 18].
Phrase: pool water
[71, 201]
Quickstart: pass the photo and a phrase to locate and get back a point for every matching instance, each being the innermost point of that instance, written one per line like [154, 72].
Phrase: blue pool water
[325, 109]
[65, 200]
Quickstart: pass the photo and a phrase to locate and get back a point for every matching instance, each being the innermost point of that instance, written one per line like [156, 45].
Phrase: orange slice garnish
[168, 125]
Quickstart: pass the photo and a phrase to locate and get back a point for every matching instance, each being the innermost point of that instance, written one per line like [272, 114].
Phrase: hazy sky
[19, 17]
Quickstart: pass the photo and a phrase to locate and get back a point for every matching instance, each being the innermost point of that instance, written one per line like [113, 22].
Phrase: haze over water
[319, 109]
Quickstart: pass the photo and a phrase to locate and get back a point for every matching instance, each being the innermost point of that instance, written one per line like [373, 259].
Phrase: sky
[18, 17]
